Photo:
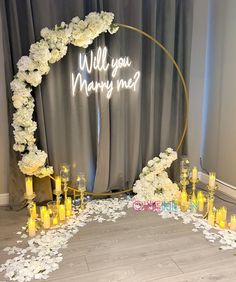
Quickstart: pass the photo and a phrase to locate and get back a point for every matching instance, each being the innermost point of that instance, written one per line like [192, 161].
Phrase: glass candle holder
[65, 173]
[52, 208]
[65, 177]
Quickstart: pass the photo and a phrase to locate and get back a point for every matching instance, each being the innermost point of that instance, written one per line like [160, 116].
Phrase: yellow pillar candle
[233, 222]
[218, 216]
[55, 220]
[43, 209]
[62, 212]
[33, 210]
[68, 205]
[200, 195]
[194, 173]
[201, 203]
[29, 185]
[31, 227]
[46, 220]
[224, 213]
[222, 224]
[211, 218]
[58, 183]
[212, 179]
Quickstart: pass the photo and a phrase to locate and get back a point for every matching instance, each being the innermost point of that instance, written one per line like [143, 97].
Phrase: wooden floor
[138, 247]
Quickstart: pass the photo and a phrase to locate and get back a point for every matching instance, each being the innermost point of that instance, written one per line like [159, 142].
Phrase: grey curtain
[109, 140]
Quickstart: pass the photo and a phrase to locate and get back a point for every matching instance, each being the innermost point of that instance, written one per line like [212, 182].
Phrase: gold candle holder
[58, 194]
[30, 202]
[211, 197]
[184, 180]
[82, 204]
[65, 177]
[81, 184]
[65, 189]
[194, 182]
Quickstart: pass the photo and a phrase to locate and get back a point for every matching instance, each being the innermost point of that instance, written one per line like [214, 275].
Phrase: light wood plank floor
[138, 247]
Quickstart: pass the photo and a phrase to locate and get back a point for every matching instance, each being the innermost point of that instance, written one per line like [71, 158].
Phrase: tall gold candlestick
[82, 205]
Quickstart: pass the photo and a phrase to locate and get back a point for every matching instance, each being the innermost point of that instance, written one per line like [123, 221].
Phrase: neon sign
[98, 62]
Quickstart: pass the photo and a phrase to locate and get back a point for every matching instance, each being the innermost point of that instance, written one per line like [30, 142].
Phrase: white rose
[169, 150]
[150, 163]
[33, 78]
[145, 170]
[19, 101]
[150, 177]
[26, 63]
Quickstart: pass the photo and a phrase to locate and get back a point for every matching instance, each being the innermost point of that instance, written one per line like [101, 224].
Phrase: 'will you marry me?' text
[98, 62]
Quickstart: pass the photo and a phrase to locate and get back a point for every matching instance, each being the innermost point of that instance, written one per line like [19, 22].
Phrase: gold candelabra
[194, 205]
[58, 194]
[65, 188]
[211, 197]
[82, 203]
[30, 203]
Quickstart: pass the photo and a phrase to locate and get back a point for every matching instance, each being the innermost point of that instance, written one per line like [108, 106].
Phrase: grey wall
[197, 79]
[219, 131]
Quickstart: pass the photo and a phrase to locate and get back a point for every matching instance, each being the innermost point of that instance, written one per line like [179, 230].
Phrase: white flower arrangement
[154, 183]
[50, 49]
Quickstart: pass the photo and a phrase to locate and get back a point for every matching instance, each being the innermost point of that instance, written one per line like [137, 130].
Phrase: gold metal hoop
[180, 142]
[181, 139]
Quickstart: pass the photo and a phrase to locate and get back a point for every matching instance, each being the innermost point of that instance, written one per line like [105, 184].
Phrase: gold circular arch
[181, 139]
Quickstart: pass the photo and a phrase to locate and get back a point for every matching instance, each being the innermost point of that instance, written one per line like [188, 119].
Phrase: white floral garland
[154, 183]
[50, 49]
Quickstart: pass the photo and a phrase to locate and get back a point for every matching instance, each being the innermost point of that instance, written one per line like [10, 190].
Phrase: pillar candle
[29, 185]
[211, 218]
[212, 179]
[233, 222]
[224, 213]
[43, 209]
[55, 220]
[194, 174]
[31, 227]
[222, 224]
[33, 210]
[218, 216]
[58, 183]
[46, 220]
[201, 203]
[200, 195]
[62, 212]
[68, 205]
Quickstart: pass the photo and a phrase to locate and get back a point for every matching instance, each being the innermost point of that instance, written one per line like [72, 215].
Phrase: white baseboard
[4, 199]
[223, 187]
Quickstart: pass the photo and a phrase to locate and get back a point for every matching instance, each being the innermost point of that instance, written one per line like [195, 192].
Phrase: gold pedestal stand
[184, 204]
[211, 198]
[58, 194]
[82, 203]
[30, 202]
[194, 204]
[65, 188]
[30, 206]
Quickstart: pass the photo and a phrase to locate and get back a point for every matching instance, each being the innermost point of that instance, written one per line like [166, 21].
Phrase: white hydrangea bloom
[154, 183]
[33, 78]
[32, 162]
[39, 51]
